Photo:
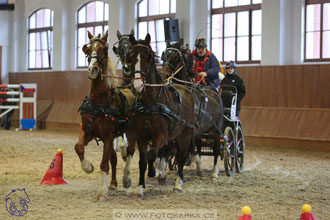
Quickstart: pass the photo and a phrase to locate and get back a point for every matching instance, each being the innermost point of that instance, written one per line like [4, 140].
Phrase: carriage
[232, 145]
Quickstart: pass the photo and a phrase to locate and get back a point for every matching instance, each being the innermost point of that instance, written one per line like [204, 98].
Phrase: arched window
[317, 30]
[40, 34]
[92, 17]
[151, 16]
[236, 30]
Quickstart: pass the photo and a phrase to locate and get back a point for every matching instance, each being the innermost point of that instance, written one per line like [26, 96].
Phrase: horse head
[174, 58]
[97, 52]
[124, 46]
[142, 60]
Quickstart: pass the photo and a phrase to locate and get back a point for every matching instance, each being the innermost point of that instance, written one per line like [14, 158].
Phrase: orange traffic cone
[246, 210]
[54, 173]
[307, 213]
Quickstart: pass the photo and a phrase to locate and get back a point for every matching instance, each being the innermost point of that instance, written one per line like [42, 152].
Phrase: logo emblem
[17, 202]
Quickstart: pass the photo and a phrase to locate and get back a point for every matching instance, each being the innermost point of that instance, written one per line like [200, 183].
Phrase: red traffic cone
[54, 173]
[307, 213]
[246, 210]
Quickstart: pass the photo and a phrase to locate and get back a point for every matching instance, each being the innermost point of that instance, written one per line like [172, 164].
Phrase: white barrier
[27, 103]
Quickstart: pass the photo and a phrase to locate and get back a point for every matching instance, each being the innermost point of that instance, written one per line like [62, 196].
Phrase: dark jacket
[211, 67]
[235, 80]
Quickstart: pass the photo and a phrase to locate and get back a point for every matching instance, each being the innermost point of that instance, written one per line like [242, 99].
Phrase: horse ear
[147, 39]
[132, 39]
[105, 36]
[132, 32]
[168, 43]
[118, 35]
[90, 36]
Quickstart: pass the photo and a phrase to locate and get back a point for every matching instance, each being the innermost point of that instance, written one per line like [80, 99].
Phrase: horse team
[159, 116]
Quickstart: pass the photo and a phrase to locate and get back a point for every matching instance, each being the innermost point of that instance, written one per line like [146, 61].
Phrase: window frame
[235, 9]
[315, 2]
[40, 30]
[88, 25]
[148, 18]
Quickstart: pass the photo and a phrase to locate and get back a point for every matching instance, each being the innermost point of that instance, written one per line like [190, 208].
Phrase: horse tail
[113, 82]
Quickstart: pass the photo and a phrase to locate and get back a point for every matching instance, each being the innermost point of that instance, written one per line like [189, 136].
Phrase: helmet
[200, 42]
[231, 64]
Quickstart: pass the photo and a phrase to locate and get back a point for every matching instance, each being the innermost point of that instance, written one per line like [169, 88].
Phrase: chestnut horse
[163, 112]
[101, 113]
[210, 118]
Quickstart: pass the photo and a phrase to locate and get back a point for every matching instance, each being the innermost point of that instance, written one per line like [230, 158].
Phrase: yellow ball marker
[246, 210]
[306, 208]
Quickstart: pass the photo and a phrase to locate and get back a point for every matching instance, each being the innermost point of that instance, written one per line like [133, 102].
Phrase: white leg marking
[140, 191]
[215, 171]
[104, 186]
[178, 184]
[157, 166]
[162, 168]
[126, 176]
[199, 166]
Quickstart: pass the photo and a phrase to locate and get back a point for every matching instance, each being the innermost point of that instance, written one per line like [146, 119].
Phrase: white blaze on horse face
[138, 83]
[92, 69]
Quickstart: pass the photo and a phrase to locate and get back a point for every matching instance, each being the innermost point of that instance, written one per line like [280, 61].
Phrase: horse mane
[111, 71]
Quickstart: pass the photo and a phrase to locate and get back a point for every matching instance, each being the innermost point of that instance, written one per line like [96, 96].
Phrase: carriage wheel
[229, 151]
[240, 147]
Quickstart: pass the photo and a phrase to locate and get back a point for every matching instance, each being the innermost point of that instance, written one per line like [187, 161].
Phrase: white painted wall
[5, 22]
[282, 42]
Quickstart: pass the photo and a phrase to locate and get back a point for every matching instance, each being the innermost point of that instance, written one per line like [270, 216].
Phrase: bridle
[99, 59]
[180, 58]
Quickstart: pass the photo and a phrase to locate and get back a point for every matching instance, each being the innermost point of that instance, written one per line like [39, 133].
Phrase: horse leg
[199, 166]
[80, 150]
[152, 162]
[123, 146]
[159, 144]
[130, 152]
[216, 153]
[142, 167]
[113, 162]
[162, 177]
[184, 144]
[104, 166]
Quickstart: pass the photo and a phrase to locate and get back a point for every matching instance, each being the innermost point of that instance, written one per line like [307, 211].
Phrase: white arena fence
[25, 97]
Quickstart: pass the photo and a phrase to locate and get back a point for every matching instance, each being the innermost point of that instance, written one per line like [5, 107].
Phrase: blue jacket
[211, 67]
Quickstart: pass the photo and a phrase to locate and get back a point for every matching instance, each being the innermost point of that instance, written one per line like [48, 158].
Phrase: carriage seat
[229, 100]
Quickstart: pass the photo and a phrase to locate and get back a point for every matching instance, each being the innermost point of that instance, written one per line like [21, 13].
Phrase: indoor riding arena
[82, 72]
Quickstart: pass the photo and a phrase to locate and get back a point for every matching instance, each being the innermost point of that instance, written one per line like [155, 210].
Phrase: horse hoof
[200, 173]
[176, 190]
[113, 186]
[91, 170]
[151, 173]
[162, 181]
[127, 184]
[102, 197]
[214, 178]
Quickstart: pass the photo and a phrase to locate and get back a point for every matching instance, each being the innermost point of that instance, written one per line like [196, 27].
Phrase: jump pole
[27, 98]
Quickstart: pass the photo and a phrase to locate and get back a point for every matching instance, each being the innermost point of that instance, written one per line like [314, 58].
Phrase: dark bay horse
[210, 113]
[163, 112]
[101, 112]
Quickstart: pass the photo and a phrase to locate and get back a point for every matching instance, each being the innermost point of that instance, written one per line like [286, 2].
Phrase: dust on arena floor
[275, 182]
